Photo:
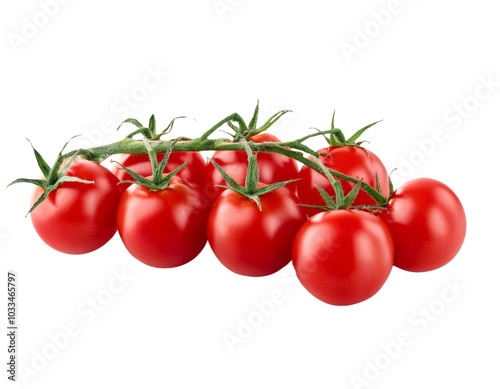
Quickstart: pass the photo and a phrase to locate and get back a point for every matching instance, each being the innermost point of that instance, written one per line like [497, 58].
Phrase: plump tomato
[164, 228]
[140, 163]
[78, 218]
[343, 257]
[252, 242]
[356, 162]
[427, 222]
[272, 167]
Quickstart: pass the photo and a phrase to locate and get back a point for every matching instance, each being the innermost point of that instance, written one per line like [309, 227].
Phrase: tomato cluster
[343, 245]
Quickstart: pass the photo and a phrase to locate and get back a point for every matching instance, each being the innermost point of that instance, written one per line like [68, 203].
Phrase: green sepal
[168, 128]
[145, 131]
[379, 188]
[40, 183]
[250, 191]
[232, 183]
[234, 127]
[54, 176]
[337, 137]
[315, 207]
[358, 133]
[351, 196]
[271, 187]
[158, 182]
[336, 185]
[44, 167]
[273, 119]
[133, 121]
[252, 126]
[326, 198]
[150, 131]
[138, 178]
[152, 124]
[252, 177]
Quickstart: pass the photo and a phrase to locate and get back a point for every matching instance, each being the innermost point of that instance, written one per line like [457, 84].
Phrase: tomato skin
[78, 218]
[272, 167]
[251, 242]
[356, 162]
[428, 224]
[343, 257]
[165, 228]
[140, 163]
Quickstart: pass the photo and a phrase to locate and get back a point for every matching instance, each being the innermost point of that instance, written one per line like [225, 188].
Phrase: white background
[419, 69]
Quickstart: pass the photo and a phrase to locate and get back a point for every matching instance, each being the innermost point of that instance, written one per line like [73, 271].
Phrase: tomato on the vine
[140, 163]
[164, 228]
[272, 167]
[78, 218]
[427, 222]
[343, 257]
[250, 241]
[353, 161]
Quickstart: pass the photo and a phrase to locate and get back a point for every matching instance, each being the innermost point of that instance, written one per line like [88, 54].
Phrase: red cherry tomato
[164, 228]
[343, 257]
[272, 167]
[356, 162]
[252, 242]
[427, 222]
[140, 163]
[78, 218]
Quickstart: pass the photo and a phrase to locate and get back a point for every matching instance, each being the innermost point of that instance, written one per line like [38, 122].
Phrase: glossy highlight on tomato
[78, 218]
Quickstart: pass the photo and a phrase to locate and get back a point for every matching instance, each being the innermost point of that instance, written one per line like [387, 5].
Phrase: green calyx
[245, 131]
[341, 201]
[158, 181]
[54, 176]
[149, 132]
[250, 190]
[337, 137]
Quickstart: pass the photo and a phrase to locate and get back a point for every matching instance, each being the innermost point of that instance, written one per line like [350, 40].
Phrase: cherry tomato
[343, 257]
[164, 228]
[78, 218]
[272, 167]
[356, 162]
[140, 163]
[252, 242]
[427, 222]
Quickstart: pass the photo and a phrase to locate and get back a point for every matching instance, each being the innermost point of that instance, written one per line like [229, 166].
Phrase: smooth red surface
[165, 228]
[427, 222]
[79, 218]
[356, 162]
[343, 257]
[140, 163]
[272, 167]
[252, 242]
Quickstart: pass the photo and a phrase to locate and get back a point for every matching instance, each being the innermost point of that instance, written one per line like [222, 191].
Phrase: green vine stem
[293, 149]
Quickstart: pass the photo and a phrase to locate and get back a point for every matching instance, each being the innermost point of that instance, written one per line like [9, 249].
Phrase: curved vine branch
[293, 149]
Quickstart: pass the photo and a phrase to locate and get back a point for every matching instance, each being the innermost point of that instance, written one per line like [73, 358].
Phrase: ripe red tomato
[164, 228]
[427, 222]
[252, 242]
[272, 167]
[356, 162]
[140, 163]
[343, 257]
[78, 218]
